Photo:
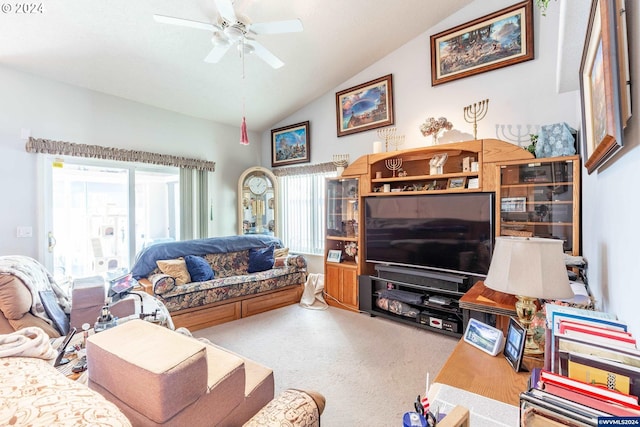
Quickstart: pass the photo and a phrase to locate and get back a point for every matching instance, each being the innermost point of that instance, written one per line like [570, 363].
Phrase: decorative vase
[435, 138]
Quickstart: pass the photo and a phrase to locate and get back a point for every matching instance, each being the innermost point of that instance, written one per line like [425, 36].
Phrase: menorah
[393, 165]
[396, 141]
[522, 139]
[340, 161]
[386, 134]
[475, 112]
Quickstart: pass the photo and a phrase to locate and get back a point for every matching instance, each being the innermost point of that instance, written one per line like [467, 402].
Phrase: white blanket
[27, 342]
[312, 296]
[36, 278]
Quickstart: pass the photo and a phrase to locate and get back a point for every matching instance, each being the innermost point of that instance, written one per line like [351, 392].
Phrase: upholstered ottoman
[159, 377]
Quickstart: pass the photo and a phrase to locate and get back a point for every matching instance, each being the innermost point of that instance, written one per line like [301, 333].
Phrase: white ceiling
[116, 47]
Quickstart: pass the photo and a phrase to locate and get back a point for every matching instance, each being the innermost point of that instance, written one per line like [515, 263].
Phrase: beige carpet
[369, 369]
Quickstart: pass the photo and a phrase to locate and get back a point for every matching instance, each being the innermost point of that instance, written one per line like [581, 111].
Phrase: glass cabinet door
[342, 217]
[541, 199]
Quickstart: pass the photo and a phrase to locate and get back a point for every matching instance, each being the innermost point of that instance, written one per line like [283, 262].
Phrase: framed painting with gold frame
[487, 43]
[603, 92]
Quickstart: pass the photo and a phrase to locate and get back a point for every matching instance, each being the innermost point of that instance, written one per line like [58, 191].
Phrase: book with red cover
[592, 402]
[603, 393]
[597, 333]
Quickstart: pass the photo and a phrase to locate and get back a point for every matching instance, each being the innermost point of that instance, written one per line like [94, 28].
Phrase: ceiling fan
[236, 29]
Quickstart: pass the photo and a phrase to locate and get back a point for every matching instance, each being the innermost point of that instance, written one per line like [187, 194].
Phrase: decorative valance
[305, 170]
[61, 148]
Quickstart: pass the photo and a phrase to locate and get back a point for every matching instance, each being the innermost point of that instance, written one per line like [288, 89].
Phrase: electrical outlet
[24, 231]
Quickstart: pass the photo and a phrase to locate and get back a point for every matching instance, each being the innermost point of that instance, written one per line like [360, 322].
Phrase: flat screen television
[446, 232]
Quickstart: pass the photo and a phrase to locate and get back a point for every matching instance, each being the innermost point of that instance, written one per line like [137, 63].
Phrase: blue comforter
[146, 259]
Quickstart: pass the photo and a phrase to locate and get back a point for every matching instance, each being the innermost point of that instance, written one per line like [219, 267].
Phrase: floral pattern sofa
[235, 291]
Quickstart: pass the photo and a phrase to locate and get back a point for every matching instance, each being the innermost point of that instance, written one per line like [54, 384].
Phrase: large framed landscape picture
[493, 41]
[290, 144]
[366, 106]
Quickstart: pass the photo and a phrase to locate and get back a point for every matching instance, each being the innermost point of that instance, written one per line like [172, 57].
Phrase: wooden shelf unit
[340, 277]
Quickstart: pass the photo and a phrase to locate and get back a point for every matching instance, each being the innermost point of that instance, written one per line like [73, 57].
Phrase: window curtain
[202, 203]
[194, 201]
[186, 204]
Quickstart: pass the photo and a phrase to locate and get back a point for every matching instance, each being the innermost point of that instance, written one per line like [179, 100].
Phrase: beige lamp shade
[529, 266]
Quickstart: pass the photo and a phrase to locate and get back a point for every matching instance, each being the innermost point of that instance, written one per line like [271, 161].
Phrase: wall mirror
[258, 202]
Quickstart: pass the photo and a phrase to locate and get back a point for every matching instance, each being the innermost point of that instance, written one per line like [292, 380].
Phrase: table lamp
[529, 268]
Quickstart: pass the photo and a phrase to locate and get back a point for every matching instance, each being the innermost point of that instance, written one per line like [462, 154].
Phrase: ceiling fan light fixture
[219, 39]
[233, 33]
[245, 48]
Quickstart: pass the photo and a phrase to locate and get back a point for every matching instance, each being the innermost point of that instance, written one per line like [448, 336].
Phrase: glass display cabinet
[342, 242]
[258, 202]
[541, 198]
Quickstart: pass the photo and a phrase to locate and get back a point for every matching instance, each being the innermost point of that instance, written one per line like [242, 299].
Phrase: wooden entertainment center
[533, 197]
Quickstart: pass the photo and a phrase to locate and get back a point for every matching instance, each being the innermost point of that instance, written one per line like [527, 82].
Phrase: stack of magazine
[591, 371]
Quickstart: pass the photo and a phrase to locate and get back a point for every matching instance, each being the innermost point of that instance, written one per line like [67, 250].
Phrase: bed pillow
[260, 259]
[199, 269]
[175, 268]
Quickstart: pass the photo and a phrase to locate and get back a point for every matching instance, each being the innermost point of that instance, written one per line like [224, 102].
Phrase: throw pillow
[260, 259]
[54, 311]
[199, 269]
[281, 252]
[175, 268]
[162, 283]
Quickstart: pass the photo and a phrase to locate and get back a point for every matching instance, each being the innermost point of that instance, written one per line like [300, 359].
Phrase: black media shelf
[446, 318]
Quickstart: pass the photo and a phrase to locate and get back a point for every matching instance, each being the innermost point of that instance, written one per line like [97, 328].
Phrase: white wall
[610, 227]
[57, 111]
[523, 94]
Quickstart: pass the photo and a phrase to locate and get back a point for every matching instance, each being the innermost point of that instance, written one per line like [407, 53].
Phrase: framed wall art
[493, 41]
[366, 106]
[291, 144]
[603, 91]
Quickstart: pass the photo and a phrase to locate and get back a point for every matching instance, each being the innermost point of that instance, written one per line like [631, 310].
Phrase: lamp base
[526, 309]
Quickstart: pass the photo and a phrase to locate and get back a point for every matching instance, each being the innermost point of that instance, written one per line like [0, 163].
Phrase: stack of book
[591, 371]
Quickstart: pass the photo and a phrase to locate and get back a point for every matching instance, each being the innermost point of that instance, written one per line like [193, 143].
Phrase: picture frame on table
[604, 90]
[514, 344]
[487, 43]
[365, 107]
[291, 144]
[334, 255]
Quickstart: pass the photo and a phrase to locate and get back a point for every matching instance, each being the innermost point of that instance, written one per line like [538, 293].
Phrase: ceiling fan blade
[186, 23]
[217, 53]
[225, 9]
[277, 27]
[264, 54]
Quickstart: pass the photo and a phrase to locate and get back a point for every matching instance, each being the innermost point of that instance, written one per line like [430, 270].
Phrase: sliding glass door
[101, 214]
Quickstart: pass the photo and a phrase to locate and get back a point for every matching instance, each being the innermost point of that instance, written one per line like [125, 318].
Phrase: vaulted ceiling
[116, 47]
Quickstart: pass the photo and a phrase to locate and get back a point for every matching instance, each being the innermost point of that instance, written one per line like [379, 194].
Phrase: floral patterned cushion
[35, 393]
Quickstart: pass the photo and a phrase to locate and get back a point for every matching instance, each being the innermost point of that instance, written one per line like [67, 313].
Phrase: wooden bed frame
[233, 308]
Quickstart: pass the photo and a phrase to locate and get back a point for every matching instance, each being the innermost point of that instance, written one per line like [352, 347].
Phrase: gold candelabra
[476, 112]
[386, 135]
[340, 161]
[393, 165]
[396, 141]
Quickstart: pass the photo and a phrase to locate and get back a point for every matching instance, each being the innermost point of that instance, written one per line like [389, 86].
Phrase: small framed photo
[513, 204]
[334, 256]
[290, 145]
[514, 344]
[457, 182]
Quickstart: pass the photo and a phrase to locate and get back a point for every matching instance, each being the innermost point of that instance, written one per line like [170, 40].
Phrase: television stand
[426, 299]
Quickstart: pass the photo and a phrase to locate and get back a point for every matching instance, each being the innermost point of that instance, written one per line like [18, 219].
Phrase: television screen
[448, 232]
